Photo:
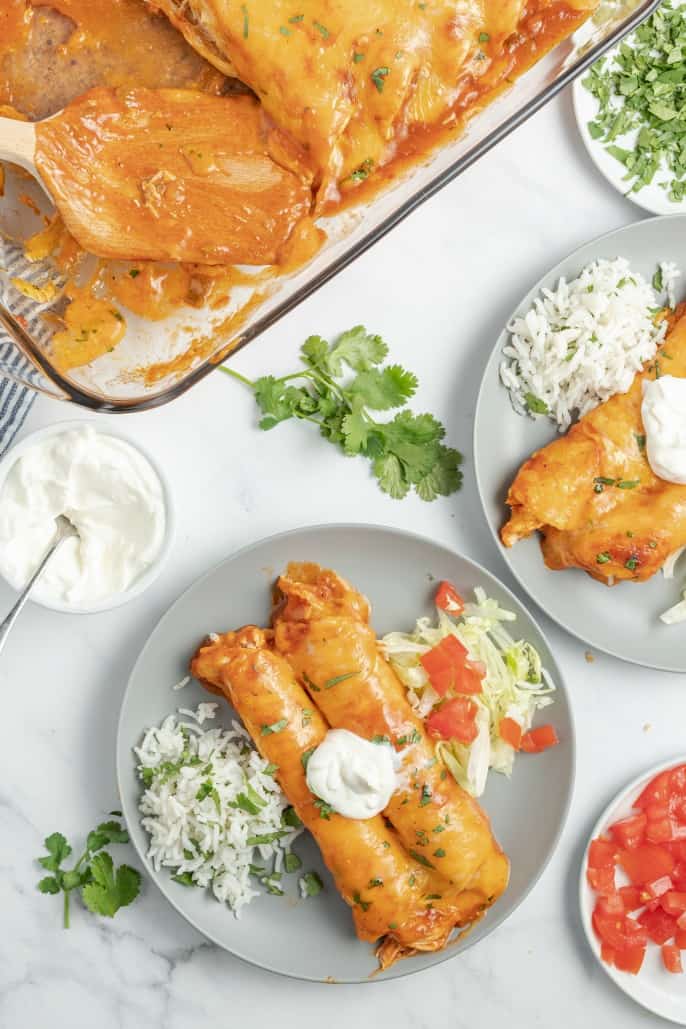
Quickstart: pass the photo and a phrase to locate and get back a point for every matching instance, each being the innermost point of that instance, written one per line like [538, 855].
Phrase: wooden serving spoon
[143, 174]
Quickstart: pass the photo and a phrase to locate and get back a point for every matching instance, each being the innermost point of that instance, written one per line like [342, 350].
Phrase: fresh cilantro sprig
[406, 451]
[104, 888]
[641, 88]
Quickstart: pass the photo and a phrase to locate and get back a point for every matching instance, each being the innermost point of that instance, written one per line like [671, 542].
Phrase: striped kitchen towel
[15, 400]
[15, 370]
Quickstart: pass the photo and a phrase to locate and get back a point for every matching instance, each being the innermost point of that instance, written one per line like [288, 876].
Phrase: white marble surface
[438, 289]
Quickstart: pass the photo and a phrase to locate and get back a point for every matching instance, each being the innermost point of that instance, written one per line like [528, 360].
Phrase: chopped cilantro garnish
[535, 405]
[305, 756]
[292, 862]
[311, 884]
[279, 726]
[378, 77]
[642, 99]
[290, 817]
[338, 678]
[602, 559]
[420, 858]
[364, 904]
[266, 837]
[325, 810]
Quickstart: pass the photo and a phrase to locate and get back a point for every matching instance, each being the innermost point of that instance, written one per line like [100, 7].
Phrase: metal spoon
[64, 531]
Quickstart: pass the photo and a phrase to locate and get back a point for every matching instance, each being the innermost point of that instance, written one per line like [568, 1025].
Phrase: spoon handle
[18, 143]
[11, 618]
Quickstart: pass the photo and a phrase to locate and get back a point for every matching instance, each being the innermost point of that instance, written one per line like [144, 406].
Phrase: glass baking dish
[154, 362]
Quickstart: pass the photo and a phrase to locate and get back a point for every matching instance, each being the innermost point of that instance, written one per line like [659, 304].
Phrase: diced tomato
[646, 863]
[678, 849]
[681, 921]
[602, 880]
[602, 853]
[536, 740]
[677, 780]
[659, 925]
[656, 889]
[611, 903]
[454, 719]
[656, 792]
[678, 872]
[617, 930]
[671, 957]
[511, 732]
[610, 929]
[636, 933]
[628, 832]
[659, 830]
[448, 599]
[631, 897]
[443, 662]
[674, 903]
[469, 678]
[680, 939]
[630, 959]
[607, 953]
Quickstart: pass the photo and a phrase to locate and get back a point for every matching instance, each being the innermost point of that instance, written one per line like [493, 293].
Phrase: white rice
[584, 341]
[206, 840]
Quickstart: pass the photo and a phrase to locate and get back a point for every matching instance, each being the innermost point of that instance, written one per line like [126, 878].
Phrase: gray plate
[622, 620]
[314, 939]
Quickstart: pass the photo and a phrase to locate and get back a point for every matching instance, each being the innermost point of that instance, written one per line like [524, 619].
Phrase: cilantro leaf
[405, 452]
[382, 389]
[315, 352]
[389, 472]
[444, 478]
[355, 428]
[58, 849]
[110, 890]
[49, 885]
[102, 889]
[277, 401]
[359, 349]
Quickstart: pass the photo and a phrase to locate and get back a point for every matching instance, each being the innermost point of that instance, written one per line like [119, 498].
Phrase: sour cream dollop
[354, 776]
[111, 493]
[664, 418]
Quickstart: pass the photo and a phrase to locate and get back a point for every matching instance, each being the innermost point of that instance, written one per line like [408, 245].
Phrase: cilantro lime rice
[215, 814]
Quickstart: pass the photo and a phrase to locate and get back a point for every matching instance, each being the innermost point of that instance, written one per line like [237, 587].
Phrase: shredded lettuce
[515, 685]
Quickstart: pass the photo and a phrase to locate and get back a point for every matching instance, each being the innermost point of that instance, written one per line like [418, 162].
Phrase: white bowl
[151, 573]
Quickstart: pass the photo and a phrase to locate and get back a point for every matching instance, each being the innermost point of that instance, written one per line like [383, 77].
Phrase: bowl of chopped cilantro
[631, 111]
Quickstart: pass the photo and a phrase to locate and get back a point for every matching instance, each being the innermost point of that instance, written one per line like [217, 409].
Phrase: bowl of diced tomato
[633, 890]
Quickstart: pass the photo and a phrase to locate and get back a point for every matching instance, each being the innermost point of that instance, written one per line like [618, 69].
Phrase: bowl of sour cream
[110, 489]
